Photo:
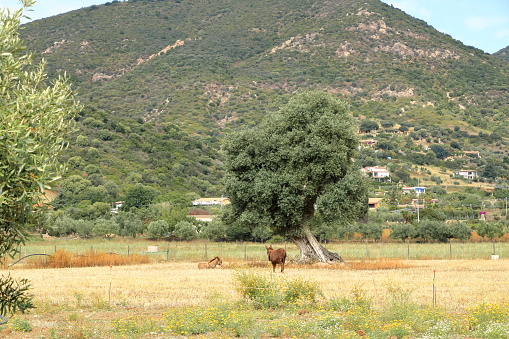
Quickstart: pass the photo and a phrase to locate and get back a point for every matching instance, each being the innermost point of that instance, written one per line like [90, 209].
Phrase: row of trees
[185, 228]
[130, 225]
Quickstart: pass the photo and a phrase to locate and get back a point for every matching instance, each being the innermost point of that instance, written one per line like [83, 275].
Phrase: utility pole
[418, 198]
[418, 219]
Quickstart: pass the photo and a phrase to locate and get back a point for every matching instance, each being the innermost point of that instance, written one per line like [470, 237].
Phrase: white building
[377, 173]
[466, 174]
[417, 190]
[116, 206]
[211, 201]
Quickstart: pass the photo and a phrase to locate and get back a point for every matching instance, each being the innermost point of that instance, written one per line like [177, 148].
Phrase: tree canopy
[295, 170]
[35, 118]
[34, 121]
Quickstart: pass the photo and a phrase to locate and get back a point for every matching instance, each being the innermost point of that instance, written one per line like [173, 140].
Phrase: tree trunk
[311, 249]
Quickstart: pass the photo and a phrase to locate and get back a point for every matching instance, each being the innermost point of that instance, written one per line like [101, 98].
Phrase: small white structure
[377, 172]
[116, 206]
[211, 201]
[202, 217]
[153, 249]
[466, 174]
[417, 190]
[474, 154]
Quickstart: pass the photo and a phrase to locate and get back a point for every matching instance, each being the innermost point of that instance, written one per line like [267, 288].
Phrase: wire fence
[204, 251]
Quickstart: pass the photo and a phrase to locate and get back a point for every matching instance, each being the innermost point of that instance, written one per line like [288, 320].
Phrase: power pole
[418, 199]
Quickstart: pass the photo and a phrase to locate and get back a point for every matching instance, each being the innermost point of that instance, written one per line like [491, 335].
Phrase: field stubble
[458, 283]
[74, 302]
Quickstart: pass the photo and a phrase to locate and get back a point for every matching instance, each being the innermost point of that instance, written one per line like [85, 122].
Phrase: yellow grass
[458, 283]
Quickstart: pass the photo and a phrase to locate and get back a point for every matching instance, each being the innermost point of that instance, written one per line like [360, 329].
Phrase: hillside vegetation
[164, 81]
[503, 53]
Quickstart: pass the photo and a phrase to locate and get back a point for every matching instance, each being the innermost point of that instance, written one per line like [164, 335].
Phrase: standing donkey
[276, 257]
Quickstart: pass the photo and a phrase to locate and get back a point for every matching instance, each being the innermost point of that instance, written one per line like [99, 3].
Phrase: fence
[200, 251]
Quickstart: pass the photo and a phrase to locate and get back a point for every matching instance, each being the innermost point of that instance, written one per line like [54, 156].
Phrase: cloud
[502, 33]
[477, 23]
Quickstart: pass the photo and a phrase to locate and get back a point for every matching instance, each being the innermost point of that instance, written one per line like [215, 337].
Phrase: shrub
[358, 301]
[268, 293]
[198, 320]
[185, 230]
[62, 258]
[158, 229]
[105, 227]
[485, 317]
[301, 290]
[20, 325]
[14, 295]
[262, 292]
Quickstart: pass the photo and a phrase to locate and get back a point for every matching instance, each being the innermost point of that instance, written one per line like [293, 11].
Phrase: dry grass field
[98, 295]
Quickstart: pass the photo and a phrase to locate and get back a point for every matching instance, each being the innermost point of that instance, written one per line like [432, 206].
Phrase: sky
[483, 24]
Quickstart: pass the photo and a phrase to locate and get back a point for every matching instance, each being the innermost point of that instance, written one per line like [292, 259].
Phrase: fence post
[434, 290]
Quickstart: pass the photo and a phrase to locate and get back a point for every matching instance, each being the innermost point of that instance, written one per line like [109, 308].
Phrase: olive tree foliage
[139, 196]
[158, 229]
[404, 231]
[34, 120]
[459, 230]
[215, 229]
[491, 230]
[430, 230]
[107, 228]
[369, 230]
[295, 172]
[185, 230]
[63, 225]
[129, 224]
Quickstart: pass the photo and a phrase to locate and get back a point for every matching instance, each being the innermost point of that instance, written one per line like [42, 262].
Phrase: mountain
[163, 81]
[503, 53]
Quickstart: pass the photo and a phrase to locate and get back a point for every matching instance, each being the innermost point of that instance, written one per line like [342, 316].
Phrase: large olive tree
[35, 117]
[295, 171]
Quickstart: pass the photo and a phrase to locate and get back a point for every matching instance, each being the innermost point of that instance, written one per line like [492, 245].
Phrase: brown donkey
[276, 257]
[211, 264]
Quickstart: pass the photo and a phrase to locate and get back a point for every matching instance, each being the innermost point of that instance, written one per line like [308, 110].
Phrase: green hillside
[503, 53]
[163, 81]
